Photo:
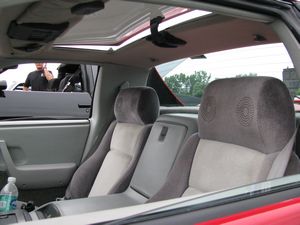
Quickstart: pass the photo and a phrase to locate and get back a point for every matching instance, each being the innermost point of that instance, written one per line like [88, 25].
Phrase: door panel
[43, 133]
[42, 154]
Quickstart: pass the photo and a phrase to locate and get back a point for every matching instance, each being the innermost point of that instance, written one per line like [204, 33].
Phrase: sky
[265, 60]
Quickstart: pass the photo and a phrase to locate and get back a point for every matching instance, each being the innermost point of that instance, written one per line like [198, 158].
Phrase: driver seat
[109, 169]
[246, 131]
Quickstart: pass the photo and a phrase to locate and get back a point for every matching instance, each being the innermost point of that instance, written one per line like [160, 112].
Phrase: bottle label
[7, 203]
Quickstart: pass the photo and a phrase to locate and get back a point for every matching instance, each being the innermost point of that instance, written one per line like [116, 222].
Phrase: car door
[43, 136]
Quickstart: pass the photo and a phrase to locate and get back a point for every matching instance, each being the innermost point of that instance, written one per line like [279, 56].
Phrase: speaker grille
[208, 109]
[245, 111]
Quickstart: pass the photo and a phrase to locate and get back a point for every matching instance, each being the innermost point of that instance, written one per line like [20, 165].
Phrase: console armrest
[15, 216]
[84, 205]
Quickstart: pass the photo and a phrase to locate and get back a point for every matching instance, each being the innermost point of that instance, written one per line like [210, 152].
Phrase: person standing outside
[38, 79]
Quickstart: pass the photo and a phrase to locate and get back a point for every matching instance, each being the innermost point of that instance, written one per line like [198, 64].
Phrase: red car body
[285, 213]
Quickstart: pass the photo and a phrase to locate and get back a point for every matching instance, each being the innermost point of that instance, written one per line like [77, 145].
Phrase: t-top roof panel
[121, 23]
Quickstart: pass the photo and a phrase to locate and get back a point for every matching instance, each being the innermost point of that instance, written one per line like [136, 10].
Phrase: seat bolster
[293, 166]
[84, 177]
[178, 178]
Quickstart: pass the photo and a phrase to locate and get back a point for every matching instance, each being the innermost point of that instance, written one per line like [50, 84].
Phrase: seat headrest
[254, 112]
[139, 105]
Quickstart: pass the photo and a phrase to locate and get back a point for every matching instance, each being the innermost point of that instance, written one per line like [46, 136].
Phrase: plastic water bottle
[9, 195]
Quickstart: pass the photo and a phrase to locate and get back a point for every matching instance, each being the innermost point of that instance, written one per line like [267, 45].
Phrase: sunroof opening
[136, 29]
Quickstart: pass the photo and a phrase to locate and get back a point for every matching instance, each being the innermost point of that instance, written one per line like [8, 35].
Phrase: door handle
[82, 106]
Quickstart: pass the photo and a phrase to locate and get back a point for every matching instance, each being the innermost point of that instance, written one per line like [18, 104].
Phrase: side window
[51, 90]
[55, 77]
[188, 77]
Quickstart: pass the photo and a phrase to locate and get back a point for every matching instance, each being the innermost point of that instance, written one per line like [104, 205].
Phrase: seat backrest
[244, 123]
[68, 84]
[64, 82]
[53, 84]
[110, 168]
[65, 72]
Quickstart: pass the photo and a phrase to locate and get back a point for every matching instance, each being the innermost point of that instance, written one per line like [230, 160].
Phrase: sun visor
[36, 32]
[42, 22]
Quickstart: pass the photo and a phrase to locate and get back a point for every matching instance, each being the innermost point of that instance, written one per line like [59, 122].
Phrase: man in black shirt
[38, 79]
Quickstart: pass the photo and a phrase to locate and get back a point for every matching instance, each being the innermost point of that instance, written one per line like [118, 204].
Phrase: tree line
[194, 84]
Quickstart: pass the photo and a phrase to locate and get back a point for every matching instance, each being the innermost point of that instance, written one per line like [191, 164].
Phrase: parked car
[116, 143]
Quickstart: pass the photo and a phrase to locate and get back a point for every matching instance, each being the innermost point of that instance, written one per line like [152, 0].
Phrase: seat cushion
[218, 165]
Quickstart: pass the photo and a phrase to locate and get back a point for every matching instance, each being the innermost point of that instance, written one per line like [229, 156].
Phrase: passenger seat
[110, 168]
[246, 129]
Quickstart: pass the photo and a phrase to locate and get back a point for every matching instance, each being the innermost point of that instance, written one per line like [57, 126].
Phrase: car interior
[68, 76]
[127, 140]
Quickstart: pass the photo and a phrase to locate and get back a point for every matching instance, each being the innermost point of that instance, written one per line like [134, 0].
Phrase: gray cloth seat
[167, 135]
[293, 166]
[111, 166]
[244, 124]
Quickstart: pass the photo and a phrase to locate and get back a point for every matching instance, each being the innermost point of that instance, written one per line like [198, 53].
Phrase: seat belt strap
[281, 161]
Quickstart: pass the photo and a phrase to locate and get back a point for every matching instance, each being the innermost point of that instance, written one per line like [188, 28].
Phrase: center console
[73, 207]
[15, 216]
[91, 204]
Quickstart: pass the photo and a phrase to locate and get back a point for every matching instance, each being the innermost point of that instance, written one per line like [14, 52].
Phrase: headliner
[207, 34]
